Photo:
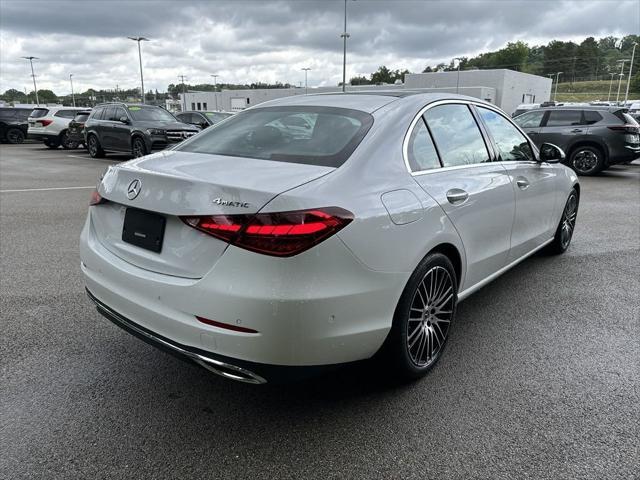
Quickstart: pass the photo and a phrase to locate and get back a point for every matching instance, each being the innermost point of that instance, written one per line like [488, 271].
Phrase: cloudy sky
[245, 41]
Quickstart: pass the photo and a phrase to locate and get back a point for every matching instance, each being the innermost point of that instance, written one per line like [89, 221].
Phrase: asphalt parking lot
[540, 378]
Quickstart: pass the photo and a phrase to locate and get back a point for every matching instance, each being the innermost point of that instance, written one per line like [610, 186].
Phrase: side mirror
[551, 153]
[123, 119]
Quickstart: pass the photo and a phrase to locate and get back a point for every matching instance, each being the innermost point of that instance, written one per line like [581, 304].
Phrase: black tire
[138, 147]
[94, 147]
[52, 143]
[66, 142]
[566, 226]
[418, 331]
[586, 160]
[15, 136]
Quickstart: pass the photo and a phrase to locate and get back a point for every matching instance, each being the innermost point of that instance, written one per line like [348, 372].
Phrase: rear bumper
[625, 153]
[322, 307]
[41, 136]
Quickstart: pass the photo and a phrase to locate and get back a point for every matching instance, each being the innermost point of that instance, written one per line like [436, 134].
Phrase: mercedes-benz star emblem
[134, 189]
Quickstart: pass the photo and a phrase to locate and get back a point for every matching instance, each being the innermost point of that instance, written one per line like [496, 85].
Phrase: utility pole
[184, 93]
[140, 39]
[33, 75]
[633, 54]
[344, 36]
[610, 85]
[555, 95]
[73, 97]
[215, 90]
[621, 74]
[306, 69]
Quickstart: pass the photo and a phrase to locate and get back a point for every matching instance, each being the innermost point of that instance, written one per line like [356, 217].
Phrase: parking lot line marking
[45, 189]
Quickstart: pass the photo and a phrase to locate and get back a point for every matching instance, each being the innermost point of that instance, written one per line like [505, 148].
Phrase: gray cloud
[253, 40]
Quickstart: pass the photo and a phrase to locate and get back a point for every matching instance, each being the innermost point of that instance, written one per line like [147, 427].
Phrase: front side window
[110, 113]
[266, 134]
[512, 145]
[421, 152]
[456, 135]
[530, 119]
[564, 118]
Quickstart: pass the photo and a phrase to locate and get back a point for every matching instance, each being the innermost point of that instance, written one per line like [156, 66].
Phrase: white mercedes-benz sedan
[317, 230]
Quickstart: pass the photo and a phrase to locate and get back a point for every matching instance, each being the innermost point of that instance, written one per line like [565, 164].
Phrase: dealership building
[505, 88]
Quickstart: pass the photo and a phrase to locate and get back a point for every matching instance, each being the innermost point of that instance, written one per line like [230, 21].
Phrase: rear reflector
[281, 234]
[228, 326]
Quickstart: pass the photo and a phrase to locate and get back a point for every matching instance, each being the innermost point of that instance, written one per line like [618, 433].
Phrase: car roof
[367, 101]
[582, 107]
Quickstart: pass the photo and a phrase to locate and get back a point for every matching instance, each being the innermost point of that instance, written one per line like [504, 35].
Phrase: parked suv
[76, 126]
[135, 129]
[50, 124]
[203, 119]
[593, 137]
[13, 124]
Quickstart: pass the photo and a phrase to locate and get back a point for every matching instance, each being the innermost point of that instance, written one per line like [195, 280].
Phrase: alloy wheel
[569, 220]
[138, 148]
[15, 136]
[430, 316]
[585, 161]
[93, 147]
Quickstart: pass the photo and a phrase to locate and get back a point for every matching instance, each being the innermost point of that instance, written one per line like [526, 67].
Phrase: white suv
[50, 125]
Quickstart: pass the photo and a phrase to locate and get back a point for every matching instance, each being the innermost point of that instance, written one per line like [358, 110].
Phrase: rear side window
[512, 145]
[563, 118]
[456, 135]
[530, 120]
[7, 113]
[329, 138]
[23, 113]
[421, 151]
[39, 112]
[65, 113]
[591, 117]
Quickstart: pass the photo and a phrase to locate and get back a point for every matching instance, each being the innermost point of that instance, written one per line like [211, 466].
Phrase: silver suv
[594, 138]
[51, 125]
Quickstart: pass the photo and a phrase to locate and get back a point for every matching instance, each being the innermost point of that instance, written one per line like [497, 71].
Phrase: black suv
[135, 129]
[14, 124]
[202, 119]
[593, 137]
[76, 127]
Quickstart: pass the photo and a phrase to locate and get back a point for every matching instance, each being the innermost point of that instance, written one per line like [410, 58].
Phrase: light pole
[458, 77]
[555, 94]
[215, 90]
[610, 85]
[621, 74]
[344, 36]
[35, 89]
[184, 94]
[73, 97]
[140, 39]
[306, 69]
[633, 54]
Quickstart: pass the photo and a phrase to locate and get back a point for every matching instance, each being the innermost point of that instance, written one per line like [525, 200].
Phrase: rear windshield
[39, 112]
[81, 117]
[625, 117]
[324, 136]
[150, 114]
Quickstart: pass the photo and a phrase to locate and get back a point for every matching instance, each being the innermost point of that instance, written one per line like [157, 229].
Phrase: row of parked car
[594, 137]
[116, 127]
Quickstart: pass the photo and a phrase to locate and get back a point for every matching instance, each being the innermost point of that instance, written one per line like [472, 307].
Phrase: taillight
[628, 128]
[281, 234]
[44, 123]
[96, 199]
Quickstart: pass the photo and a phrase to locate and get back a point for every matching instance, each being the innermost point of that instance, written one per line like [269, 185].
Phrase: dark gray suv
[593, 138]
[135, 129]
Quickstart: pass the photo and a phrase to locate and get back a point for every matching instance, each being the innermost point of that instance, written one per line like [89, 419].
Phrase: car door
[473, 191]
[530, 122]
[534, 184]
[562, 127]
[121, 131]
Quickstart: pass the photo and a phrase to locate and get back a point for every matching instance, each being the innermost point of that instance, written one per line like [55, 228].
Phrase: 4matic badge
[230, 203]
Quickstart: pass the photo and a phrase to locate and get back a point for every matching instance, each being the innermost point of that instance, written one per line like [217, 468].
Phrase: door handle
[522, 183]
[576, 130]
[457, 196]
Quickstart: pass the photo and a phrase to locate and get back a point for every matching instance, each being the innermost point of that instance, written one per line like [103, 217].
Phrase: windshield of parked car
[81, 117]
[217, 116]
[150, 114]
[323, 136]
